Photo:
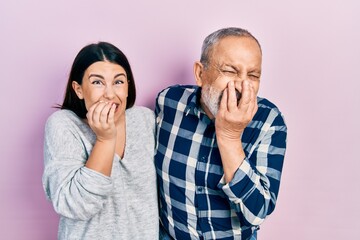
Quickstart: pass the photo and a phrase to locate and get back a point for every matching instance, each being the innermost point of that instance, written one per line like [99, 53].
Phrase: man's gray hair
[216, 36]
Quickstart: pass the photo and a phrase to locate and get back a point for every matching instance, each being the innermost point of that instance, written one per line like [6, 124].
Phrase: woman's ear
[78, 89]
[198, 72]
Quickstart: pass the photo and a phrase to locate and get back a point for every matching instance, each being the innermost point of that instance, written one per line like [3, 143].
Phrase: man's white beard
[211, 98]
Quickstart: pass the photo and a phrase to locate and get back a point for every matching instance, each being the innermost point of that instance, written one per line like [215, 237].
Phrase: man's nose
[238, 83]
[240, 79]
[241, 76]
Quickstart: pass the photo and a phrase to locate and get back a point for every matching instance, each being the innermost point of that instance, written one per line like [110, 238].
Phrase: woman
[99, 172]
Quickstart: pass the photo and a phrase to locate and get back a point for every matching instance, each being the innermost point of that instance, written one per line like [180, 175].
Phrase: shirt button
[203, 158]
[200, 189]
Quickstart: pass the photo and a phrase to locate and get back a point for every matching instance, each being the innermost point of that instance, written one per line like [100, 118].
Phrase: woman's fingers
[111, 118]
[99, 113]
[104, 114]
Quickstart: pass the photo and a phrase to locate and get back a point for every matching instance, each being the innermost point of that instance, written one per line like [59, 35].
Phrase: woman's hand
[101, 120]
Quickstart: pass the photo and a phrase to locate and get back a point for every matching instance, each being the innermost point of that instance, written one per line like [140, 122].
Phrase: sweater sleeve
[75, 191]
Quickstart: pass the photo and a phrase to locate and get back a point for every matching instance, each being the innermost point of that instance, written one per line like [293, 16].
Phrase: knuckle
[96, 111]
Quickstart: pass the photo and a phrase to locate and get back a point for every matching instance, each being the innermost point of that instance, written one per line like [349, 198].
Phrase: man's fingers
[254, 106]
[223, 101]
[245, 94]
[251, 103]
[238, 90]
[232, 100]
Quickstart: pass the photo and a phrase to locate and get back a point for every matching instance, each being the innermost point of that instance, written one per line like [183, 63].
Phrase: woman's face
[104, 81]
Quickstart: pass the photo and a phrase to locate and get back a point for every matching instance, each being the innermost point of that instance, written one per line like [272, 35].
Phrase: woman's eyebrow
[120, 74]
[96, 75]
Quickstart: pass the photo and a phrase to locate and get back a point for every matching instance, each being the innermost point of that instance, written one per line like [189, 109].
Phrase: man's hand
[230, 122]
[233, 117]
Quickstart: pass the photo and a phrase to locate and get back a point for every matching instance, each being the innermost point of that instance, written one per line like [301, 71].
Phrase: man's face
[231, 59]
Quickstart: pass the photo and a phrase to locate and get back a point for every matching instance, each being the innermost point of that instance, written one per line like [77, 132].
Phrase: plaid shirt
[195, 201]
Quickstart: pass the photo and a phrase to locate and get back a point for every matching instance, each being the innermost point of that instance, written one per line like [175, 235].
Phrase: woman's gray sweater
[90, 204]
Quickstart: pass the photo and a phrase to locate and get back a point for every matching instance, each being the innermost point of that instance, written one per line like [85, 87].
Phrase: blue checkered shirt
[195, 200]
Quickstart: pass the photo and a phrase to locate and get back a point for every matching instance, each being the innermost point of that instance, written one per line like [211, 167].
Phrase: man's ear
[78, 89]
[199, 73]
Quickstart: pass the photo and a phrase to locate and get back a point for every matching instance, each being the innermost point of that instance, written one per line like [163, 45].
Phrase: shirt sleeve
[254, 189]
[75, 191]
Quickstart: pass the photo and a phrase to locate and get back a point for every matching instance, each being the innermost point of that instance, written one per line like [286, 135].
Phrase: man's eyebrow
[231, 66]
[255, 70]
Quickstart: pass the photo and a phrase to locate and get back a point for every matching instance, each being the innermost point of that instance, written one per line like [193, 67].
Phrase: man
[220, 148]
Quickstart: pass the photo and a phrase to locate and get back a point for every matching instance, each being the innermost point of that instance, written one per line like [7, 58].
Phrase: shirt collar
[193, 107]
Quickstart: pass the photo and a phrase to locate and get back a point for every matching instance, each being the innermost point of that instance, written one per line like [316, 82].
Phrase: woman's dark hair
[88, 55]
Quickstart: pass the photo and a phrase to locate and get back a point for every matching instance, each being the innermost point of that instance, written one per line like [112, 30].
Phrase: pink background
[310, 70]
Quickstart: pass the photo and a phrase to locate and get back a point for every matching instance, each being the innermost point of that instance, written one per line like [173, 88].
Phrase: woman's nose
[109, 92]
